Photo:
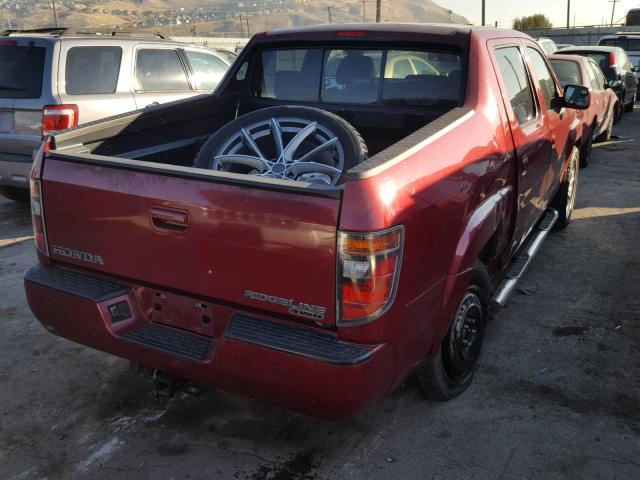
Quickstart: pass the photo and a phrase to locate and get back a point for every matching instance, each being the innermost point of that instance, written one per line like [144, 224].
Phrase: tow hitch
[166, 385]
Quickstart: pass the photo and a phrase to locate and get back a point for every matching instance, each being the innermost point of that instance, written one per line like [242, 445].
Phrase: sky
[587, 12]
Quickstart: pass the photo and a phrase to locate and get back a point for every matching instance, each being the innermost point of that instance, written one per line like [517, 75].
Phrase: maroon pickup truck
[338, 215]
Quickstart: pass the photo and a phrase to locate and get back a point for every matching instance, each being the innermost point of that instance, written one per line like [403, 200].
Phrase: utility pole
[364, 11]
[568, 11]
[329, 12]
[613, 9]
[241, 25]
[378, 6]
[9, 21]
[483, 13]
[246, 19]
[55, 14]
[450, 12]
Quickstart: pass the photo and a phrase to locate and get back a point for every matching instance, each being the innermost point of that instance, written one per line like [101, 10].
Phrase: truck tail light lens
[612, 59]
[59, 117]
[368, 270]
[37, 217]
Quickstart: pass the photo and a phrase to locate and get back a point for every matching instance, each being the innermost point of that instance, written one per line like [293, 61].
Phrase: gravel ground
[557, 393]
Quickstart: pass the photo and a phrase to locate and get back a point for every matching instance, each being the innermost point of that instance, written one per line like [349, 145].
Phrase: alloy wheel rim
[286, 148]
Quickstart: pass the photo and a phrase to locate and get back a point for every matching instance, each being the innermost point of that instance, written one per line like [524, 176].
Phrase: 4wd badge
[306, 310]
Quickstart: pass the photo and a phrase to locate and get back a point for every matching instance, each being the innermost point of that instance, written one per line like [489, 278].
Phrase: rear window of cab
[361, 76]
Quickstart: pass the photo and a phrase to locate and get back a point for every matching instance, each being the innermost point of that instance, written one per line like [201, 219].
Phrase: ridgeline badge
[306, 310]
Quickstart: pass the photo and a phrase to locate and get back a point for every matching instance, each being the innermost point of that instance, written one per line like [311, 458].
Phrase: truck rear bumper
[296, 367]
[14, 170]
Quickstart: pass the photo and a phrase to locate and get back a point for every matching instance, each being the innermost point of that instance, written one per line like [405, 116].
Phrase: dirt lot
[557, 393]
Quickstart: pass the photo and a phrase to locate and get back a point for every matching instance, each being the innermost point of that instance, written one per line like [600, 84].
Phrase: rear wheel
[565, 199]
[16, 194]
[606, 135]
[618, 115]
[451, 370]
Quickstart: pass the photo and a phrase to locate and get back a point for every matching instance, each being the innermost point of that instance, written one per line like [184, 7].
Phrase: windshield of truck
[21, 71]
[362, 76]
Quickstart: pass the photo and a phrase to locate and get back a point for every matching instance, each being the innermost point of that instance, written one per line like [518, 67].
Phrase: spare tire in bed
[293, 143]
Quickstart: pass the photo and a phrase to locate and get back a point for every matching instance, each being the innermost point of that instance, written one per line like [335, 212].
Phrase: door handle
[175, 221]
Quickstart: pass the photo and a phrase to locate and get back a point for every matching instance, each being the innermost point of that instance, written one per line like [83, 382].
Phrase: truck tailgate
[238, 245]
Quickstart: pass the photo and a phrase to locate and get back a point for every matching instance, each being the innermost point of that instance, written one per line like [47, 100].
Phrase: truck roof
[449, 33]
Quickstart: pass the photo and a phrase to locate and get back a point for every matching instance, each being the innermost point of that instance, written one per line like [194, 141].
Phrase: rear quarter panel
[452, 196]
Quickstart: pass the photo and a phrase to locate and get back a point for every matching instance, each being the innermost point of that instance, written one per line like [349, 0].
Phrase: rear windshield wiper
[14, 89]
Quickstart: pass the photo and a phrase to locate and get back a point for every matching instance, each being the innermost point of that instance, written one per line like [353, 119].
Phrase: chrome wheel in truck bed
[288, 143]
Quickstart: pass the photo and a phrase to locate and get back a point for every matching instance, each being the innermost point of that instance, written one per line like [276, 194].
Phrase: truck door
[559, 121]
[530, 132]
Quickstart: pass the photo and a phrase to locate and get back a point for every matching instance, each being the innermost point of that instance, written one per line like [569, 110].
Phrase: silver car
[52, 79]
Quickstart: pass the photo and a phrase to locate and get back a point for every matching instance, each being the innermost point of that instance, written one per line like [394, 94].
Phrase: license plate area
[178, 311]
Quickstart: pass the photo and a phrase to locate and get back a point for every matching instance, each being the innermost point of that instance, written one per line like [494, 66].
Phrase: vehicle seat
[356, 77]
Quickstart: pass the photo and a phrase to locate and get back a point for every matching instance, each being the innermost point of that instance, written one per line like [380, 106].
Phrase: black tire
[628, 108]
[585, 151]
[353, 145]
[618, 115]
[20, 195]
[606, 135]
[564, 201]
[450, 372]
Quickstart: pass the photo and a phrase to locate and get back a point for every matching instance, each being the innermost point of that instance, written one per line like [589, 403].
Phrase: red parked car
[337, 216]
[600, 117]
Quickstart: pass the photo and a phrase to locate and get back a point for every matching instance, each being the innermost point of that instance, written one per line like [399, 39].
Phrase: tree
[531, 22]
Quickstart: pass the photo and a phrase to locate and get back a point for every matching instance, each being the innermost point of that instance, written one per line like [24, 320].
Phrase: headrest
[354, 66]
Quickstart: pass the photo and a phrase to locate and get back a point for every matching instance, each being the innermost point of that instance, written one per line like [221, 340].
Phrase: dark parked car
[617, 69]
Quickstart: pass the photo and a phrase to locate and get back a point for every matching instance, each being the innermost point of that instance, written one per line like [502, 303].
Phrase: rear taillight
[612, 59]
[59, 117]
[37, 217]
[368, 269]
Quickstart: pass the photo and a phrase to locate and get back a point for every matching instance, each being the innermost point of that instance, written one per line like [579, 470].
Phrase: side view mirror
[614, 84]
[636, 69]
[576, 96]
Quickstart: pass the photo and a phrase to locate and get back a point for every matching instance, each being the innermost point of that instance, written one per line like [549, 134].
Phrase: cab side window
[602, 82]
[597, 80]
[208, 69]
[516, 80]
[545, 77]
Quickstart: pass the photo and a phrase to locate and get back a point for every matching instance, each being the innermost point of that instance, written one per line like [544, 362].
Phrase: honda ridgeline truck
[338, 215]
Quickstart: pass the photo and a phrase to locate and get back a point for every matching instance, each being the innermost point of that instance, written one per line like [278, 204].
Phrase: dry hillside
[216, 16]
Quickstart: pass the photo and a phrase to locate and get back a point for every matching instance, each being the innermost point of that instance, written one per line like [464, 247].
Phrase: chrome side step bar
[521, 264]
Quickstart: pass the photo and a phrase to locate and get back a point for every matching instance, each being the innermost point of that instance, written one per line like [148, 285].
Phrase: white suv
[52, 79]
